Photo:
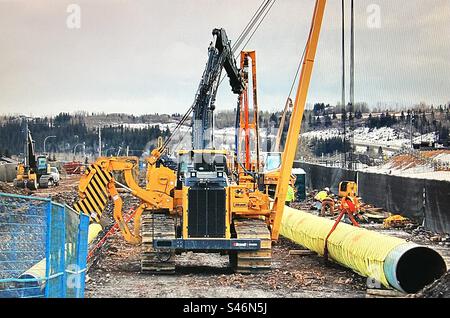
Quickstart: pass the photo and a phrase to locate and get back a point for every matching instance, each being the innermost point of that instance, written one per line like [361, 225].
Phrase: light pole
[410, 129]
[45, 140]
[75, 148]
[26, 154]
[99, 141]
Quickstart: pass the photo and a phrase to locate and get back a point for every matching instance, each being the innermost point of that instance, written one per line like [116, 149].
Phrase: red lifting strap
[347, 207]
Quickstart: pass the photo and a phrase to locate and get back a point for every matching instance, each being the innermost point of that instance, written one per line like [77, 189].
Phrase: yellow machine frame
[98, 182]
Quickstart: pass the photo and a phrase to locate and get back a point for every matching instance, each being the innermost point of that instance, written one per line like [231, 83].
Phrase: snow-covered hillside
[388, 138]
[363, 136]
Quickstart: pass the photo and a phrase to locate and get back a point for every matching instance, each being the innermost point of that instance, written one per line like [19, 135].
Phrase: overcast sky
[146, 56]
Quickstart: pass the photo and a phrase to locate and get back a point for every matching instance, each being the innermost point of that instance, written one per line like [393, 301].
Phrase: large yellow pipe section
[388, 260]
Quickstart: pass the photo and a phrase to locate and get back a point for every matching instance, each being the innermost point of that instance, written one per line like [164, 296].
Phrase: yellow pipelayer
[201, 207]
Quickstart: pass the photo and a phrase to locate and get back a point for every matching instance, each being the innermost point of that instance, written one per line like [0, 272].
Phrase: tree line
[420, 119]
[71, 130]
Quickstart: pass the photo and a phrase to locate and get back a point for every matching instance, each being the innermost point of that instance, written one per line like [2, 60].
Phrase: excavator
[215, 201]
[35, 171]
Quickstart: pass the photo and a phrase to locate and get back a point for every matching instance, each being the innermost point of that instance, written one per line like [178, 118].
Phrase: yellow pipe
[94, 230]
[389, 260]
[39, 269]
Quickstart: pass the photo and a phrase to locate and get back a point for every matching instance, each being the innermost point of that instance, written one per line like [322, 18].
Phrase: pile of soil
[6, 188]
[438, 289]
[69, 198]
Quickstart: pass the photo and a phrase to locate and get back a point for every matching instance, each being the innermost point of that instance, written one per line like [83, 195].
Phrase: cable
[251, 23]
[180, 123]
[169, 139]
[297, 72]
[300, 63]
[262, 10]
[248, 24]
[267, 12]
[254, 31]
[301, 60]
[181, 140]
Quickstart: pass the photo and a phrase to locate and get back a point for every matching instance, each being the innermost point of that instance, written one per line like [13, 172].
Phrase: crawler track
[156, 226]
[256, 261]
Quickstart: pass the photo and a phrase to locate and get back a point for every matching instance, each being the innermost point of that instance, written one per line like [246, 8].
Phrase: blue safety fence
[43, 248]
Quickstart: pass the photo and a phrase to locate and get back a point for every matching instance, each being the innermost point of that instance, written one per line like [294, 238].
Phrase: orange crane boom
[249, 126]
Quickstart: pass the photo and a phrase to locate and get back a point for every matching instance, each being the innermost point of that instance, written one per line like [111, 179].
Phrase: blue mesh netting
[76, 254]
[56, 270]
[43, 248]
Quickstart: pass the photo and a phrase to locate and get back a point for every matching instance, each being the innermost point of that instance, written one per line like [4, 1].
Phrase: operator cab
[207, 167]
[272, 161]
[42, 165]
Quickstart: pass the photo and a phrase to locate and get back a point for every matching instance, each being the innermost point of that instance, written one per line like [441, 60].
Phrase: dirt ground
[439, 289]
[65, 192]
[116, 274]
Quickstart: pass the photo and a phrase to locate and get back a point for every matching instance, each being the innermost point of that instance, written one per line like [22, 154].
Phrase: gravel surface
[116, 274]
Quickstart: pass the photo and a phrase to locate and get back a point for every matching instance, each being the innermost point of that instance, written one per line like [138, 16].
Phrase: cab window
[42, 163]
[272, 162]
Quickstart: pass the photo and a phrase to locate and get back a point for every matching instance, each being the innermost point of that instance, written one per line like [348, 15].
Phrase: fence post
[48, 248]
[82, 247]
[62, 265]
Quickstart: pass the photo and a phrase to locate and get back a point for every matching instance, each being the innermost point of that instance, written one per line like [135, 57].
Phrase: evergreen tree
[344, 116]
[318, 122]
[328, 122]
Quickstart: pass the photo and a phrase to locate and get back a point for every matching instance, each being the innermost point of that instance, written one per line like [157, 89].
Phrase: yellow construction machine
[348, 189]
[214, 202]
[34, 171]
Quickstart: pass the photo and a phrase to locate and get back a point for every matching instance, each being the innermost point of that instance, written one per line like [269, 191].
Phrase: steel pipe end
[410, 267]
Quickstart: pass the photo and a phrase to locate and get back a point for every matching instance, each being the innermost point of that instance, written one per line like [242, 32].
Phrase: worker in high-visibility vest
[290, 197]
[324, 202]
[322, 195]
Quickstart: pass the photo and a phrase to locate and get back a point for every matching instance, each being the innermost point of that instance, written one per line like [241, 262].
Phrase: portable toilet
[300, 184]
